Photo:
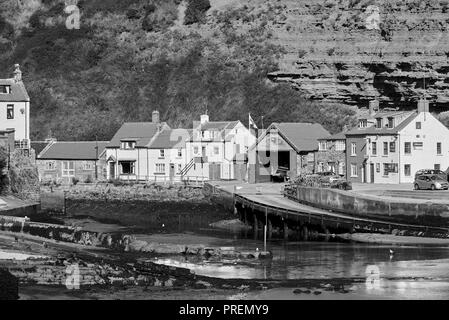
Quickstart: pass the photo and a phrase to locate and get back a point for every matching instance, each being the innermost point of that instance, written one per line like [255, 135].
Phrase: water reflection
[317, 260]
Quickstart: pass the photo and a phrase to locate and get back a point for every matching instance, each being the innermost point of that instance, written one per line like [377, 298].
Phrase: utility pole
[96, 157]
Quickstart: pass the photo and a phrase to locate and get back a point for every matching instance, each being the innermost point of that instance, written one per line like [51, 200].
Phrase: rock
[9, 286]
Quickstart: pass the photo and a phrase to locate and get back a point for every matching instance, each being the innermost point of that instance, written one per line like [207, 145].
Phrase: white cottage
[401, 143]
[15, 109]
[217, 150]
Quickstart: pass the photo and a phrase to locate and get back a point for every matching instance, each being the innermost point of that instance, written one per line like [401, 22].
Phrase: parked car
[440, 173]
[331, 175]
[430, 181]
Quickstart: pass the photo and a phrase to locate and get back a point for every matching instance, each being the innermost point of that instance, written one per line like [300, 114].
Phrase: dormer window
[379, 123]
[363, 123]
[391, 122]
[5, 89]
[161, 153]
[128, 145]
[323, 146]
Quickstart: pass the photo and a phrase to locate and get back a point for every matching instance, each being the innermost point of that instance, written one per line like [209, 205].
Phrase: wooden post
[255, 223]
[305, 233]
[269, 229]
[285, 230]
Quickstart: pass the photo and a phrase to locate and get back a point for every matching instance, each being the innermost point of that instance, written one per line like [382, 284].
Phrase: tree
[3, 170]
[196, 11]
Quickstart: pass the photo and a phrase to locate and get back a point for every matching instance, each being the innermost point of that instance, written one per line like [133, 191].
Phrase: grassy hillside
[131, 57]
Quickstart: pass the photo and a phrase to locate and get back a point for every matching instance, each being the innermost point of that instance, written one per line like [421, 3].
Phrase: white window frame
[67, 171]
[354, 170]
[127, 145]
[161, 153]
[353, 149]
[340, 145]
[159, 168]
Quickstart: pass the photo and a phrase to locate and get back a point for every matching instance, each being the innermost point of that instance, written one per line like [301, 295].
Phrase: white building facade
[217, 150]
[418, 141]
[15, 108]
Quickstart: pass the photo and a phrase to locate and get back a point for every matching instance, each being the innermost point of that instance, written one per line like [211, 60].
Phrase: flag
[252, 125]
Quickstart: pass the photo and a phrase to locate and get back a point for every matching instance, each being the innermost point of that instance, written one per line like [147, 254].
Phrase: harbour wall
[424, 213]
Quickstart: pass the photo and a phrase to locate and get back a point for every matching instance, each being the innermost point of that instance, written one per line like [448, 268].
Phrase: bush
[196, 11]
[341, 184]
[88, 179]
[75, 181]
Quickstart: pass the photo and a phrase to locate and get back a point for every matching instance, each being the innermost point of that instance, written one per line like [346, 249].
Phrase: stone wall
[23, 176]
[431, 214]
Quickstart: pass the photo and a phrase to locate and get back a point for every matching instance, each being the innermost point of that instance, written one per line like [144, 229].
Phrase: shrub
[302, 53]
[196, 11]
[88, 179]
[75, 181]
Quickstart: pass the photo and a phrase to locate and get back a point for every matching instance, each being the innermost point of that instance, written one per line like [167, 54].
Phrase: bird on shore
[391, 254]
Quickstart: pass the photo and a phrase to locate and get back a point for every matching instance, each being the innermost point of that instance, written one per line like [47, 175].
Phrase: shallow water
[412, 272]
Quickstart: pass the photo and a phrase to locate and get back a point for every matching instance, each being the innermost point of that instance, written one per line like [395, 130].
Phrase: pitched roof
[38, 146]
[141, 132]
[337, 136]
[383, 131]
[18, 92]
[170, 138]
[72, 150]
[218, 125]
[301, 136]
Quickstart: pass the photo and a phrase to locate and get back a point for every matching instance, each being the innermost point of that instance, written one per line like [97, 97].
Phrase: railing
[196, 180]
[187, 167]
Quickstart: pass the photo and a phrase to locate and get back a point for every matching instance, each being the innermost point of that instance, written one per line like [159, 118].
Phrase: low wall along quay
[429, 213]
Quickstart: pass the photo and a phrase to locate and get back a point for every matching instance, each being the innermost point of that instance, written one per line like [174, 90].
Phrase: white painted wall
[431, 132]
[21, 121]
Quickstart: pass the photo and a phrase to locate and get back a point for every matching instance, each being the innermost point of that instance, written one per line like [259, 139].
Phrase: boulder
[9, 286]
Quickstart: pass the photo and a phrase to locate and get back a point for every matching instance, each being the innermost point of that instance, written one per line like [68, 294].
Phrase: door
[112, 170]
[371, 170]
[172, 171]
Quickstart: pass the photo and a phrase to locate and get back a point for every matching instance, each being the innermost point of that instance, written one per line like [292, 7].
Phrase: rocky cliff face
[353, 51]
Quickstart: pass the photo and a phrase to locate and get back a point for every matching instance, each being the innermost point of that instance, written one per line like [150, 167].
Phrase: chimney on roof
[155, 118]
[17, 73]
[204, 118]
[373, 107]
[423, 105]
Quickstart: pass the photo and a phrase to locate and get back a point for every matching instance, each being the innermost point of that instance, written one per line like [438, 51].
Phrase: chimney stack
[373, 107]
[423, 105]
[155, 117]
[17, 73]
[204, 118]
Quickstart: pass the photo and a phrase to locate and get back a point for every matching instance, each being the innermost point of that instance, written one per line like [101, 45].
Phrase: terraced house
[15, 110]
[70, 161]
[397, 145]
[217, 150]
[127, 154]
[331, 155]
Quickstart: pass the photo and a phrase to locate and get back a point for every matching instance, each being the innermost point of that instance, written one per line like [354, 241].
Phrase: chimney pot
[373, 107]
[17, 73]
[423, 105]
[204, 118]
